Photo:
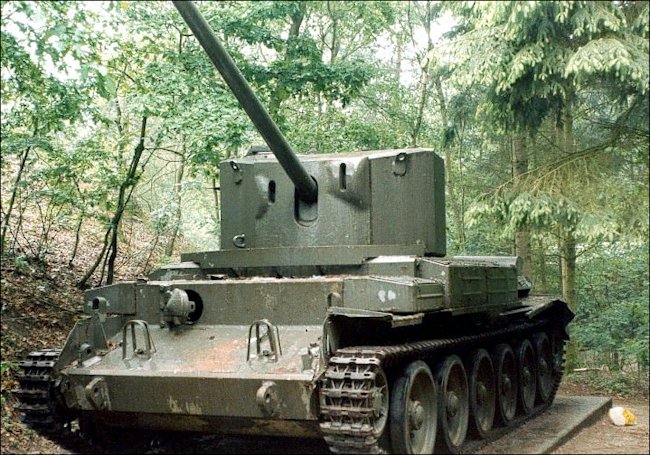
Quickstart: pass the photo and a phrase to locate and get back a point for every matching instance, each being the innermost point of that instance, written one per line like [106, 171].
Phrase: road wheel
[453, 403]
[506, 383]
[544, 356]
[527, 376]
[414, 410]
[482, 393]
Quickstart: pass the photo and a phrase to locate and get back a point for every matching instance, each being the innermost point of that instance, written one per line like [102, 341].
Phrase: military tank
[330, 311]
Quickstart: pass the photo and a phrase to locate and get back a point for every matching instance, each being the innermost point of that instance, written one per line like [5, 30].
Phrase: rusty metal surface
[202, 370]
[209, 350]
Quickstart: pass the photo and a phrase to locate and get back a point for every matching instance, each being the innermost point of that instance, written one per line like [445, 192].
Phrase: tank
[330, 311]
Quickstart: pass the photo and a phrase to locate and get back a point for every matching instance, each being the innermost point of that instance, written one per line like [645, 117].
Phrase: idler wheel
[544, 356]
[527, 376]
[506, 383]
[414, 410]
[482, 393]
[453, 403]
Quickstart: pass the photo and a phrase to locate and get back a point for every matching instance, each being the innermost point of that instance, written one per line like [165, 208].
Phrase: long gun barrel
[305, 185]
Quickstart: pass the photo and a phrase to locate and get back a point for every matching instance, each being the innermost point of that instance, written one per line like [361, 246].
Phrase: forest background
[114, 123]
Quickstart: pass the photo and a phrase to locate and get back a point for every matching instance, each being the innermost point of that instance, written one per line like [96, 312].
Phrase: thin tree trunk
[129, 182]
[425, 76]
[425, 82]
[77, 237]
[336, 45]
[145, 267]
[398, 57]
[459, 225]
[543, 279]
[12, 199]
[178, 196]
[279, 94]
[120, 151]
[568, 246]
[82, 282]
[103, 267]
[568, 267]
[519, 169]
[568, 264]
[20, 229]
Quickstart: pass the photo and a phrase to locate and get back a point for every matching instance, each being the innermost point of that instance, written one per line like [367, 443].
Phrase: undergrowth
[616, 383]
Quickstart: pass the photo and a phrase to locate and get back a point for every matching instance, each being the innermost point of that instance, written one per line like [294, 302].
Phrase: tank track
[348, 410]
[34, 396]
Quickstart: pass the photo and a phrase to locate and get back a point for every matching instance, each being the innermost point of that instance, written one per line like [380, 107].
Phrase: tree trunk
[145, 267]
[425, 82]
[336, 45]
[178, 196]
[453, 203]
[77, 237]
[519, 170]
[568, 245]
[279, 94]
[568, 266]
[543, 279]
[426, 66]
[84, 280]
[398, 57]
[129, 183]
[12, 199]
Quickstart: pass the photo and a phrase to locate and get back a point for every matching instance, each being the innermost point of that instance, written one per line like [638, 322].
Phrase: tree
[536, 60]
[38, 104]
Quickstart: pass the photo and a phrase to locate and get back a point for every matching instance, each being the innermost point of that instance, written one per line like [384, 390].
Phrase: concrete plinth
[551, 429]
[540, 434]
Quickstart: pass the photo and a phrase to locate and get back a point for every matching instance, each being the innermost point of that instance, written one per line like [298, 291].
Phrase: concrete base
[541, 434]
[551, 429]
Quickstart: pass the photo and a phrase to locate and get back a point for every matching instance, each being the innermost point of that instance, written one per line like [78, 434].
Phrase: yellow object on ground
[621, 416]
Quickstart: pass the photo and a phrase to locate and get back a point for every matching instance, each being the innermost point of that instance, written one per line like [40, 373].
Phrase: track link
[34, 396]
[348, 391]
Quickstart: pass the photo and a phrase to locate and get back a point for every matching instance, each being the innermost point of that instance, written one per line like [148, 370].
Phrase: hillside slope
[40, 305]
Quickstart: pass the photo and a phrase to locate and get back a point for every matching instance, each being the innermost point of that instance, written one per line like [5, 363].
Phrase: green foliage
[533, 55]
[7, 366]
[21, 264]
[613, 317]
[617, 383]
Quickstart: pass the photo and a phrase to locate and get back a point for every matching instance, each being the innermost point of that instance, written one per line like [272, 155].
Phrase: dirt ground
[603, 436]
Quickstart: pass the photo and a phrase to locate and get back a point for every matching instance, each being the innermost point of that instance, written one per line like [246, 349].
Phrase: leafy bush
[613, 383]
[612, 319]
